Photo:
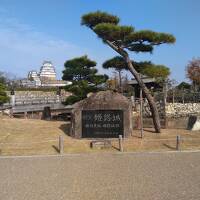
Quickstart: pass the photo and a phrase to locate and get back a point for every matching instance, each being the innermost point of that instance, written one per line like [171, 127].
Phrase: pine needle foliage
[107, 27]
[3, 95]
[84, 76]
[147, 68]
[125, 39]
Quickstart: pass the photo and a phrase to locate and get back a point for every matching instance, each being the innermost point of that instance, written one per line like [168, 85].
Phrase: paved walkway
[110, 176]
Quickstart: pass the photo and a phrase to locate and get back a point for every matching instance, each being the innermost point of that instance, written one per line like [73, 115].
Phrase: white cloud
[22, 48]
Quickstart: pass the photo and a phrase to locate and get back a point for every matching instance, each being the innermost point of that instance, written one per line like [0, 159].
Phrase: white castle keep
[34, 77]
[45, 78]
[47, 71]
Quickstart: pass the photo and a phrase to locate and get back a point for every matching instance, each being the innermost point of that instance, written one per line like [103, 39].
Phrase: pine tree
[117, 63]
[123, 39]
[3, 95]
[84, 76]
[159, 72]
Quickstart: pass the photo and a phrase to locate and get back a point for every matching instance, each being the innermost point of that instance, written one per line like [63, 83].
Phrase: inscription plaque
[102, 123]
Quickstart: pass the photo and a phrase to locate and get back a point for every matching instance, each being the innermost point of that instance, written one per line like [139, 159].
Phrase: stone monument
[46, 114]
[193, 123]
[105, 114]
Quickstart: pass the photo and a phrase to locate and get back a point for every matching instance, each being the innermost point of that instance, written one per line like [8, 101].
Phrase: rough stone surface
[146, 108]
[38, 97]
[196, 126]
[101, 144]
[194, 123]
[183, 115]
[104, 100]
[46, 114]
[182, 109]
[175, 115]
[7, 112]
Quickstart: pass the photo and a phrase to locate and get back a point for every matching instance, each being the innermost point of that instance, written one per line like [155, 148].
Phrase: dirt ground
[33, 137]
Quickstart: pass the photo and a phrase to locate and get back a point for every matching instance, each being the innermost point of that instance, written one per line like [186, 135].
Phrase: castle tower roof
[47, 71]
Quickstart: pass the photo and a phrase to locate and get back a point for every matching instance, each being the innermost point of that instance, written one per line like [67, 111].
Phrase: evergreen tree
[123, 39]
[117, 63]
[3, 95]
[84, 76]
[159, 72]
[2, 78]
[184, 86]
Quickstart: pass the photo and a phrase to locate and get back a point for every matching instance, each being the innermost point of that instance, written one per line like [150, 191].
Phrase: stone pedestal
[105, 114]
[193, 123]
[12, 100]
[46, 115]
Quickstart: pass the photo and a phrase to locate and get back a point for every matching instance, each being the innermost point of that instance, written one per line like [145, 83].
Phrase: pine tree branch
[118, 49]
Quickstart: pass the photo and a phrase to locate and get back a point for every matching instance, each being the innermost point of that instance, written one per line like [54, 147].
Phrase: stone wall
[146, 108]
[173, 115]
[38, 93]
[26, 97]
[174, 110]
[177, 110]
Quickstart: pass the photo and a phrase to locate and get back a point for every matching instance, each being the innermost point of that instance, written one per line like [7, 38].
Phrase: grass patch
[38, 137]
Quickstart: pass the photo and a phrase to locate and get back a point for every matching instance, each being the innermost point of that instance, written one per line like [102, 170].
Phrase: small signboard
[102, 123]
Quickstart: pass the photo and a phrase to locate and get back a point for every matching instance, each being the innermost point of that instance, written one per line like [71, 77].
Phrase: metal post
[120, 144]
[12, 93]
[165, 103]
[141, 114]
[61, 144]
[25, 115]
[13, 100]
[11, 112]
[178, 138]
[183, 97]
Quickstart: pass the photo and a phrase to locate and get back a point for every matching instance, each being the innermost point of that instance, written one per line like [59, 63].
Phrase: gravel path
[109, 176]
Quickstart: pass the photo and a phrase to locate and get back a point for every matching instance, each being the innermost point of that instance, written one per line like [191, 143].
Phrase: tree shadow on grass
[136, 135]
[169, 146]
[66, 128]
[114, 147]
[150, 131]
[56, 148]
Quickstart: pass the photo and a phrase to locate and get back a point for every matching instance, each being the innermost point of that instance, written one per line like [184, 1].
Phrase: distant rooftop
[145, 79]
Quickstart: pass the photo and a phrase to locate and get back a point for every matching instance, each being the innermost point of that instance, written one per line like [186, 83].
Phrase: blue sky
[35, 30]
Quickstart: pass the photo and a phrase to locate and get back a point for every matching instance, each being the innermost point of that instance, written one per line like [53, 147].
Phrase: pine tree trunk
[152, 104]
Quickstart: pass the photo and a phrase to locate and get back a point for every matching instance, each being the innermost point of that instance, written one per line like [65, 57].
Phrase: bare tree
[193, 72]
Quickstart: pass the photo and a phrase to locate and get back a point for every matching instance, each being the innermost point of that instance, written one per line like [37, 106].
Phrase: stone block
[193, 123]
[46, 114]
[104, 114]
[101, 144]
